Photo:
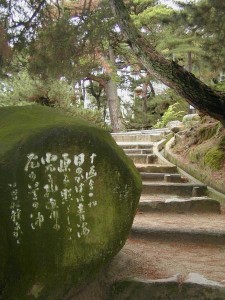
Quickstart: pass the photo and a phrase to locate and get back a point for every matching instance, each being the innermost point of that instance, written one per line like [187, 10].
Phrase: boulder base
[68, 199]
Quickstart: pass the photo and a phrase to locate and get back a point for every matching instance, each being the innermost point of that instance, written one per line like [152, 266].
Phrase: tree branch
[198, 94]
[100, 80]
[35, 13]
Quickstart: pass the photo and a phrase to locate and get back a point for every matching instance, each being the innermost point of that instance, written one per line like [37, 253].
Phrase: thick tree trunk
[144, 98]
[113, 101]
[112, 97]
[113, 105]
[144, 101]
[110, 88]
[198, 94]
[96, 95]
[152, 89]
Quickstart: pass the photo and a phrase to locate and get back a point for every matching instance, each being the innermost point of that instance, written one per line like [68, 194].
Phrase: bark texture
[110, 88]
[112, 96]
[197, 93]
[144, 98]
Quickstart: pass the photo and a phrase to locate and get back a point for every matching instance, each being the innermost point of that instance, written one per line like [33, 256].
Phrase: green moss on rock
[68, 199]
[206, 155]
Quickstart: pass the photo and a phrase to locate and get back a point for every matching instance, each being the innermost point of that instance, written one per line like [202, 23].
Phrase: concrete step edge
[142, 155]
[168, 201]
[174, 184]
[178, 235]
[200, 205]
[179, 287]
[155, 168]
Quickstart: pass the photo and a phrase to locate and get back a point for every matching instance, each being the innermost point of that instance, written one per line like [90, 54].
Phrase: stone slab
[179, 235]
[156, 168]
[135, 145]
[143, 158]
[153, 137]
[161, 177]
[195, 287]
[138, 151]
[172, 188]
[200, 205]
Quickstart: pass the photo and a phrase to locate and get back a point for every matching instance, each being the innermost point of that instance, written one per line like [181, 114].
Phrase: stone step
[192, 205]
[141, 258]
[177, 235]
[138, 151]
[162, 177]
[195, 228]
[162, 131]
[190, 189]
[152, 137]
[156, 168]
[162, 197]
[135, 145]
[177, 287]
[148, 266]
[143, 158]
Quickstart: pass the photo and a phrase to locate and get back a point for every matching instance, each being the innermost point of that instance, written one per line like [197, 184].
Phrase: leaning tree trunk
[198, 94]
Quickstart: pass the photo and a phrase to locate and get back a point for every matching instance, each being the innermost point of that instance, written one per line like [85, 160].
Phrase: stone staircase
[177, 229]
[164, 189]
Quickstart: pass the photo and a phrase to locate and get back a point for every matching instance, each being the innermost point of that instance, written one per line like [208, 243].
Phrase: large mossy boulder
[68, 199]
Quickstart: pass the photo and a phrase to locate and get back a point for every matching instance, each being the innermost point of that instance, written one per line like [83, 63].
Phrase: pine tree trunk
[113, 105]
[144, 98]
[113, 101]
[198, 94]
[152, 89]
[189, 68]
[96, 95]
[112, 97]
[144, 102]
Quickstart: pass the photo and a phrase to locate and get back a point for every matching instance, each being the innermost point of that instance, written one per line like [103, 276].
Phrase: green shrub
[22, 89]
[220, 86]
[171, 114]
[25, 88]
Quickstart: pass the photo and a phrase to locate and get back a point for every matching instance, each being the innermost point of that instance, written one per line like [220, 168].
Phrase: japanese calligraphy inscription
[74, 180]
